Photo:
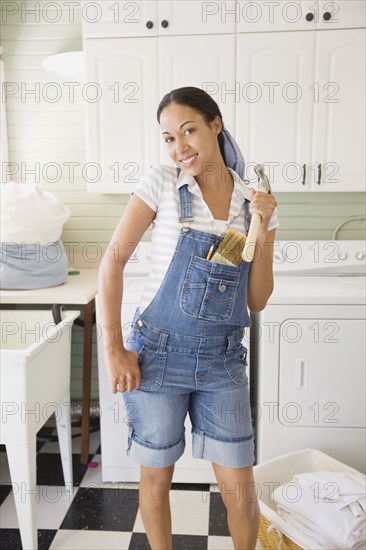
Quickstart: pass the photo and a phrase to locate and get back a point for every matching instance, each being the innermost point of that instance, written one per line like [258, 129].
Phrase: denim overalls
[191, 358]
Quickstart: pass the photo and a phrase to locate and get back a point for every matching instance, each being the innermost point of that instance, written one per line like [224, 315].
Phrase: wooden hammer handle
[249, 247]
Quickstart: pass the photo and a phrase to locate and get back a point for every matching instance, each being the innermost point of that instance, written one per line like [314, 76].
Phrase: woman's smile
[188, 161]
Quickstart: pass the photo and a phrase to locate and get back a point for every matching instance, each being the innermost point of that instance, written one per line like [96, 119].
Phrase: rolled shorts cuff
[155, 456]
[237, 452]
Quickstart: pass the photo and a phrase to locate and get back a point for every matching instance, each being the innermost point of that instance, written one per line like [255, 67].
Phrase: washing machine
[308, 353]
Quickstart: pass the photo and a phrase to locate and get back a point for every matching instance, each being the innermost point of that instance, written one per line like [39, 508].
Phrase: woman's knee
[238, 490]
[245, 509]
[157, 478]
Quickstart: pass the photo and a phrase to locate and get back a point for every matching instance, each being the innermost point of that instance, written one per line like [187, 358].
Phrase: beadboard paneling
[43, 132]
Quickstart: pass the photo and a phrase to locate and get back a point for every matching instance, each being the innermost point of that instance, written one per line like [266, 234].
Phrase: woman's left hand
[264, 204]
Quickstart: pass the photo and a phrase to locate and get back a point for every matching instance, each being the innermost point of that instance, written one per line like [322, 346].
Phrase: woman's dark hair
[199, 100]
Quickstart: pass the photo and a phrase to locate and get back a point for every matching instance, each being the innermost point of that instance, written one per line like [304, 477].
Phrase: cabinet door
[263, 16]
[196, 17]
[301, 15]
[122, 132]
[317, 376]
[207, 62]
[342, 14]
[119, 18]
[274, 106]
[339, 128]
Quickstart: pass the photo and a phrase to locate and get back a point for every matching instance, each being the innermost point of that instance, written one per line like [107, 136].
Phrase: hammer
[264, 187]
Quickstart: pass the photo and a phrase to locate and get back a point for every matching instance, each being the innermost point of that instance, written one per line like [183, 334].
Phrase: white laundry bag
[31, 252]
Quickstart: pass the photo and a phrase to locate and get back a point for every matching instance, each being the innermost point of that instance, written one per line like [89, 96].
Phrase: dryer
[308, 353]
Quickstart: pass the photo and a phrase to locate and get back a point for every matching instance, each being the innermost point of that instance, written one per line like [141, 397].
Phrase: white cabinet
[131, 76]
[121, 18]
[188, 17]
[309, 375]
[116, 18]
[275, 104]
[206, 62]
[263, 16]
[340, 14]
[300, 108]
[293, 100]
[121, 122]
[339, 114]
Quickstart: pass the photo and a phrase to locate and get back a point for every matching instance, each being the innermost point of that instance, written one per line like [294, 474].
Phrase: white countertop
[78, 289]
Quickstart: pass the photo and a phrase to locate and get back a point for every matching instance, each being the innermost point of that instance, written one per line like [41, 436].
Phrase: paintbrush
[230, 249]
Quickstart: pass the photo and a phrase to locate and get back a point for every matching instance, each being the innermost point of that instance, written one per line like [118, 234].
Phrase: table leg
[22, 466]
[87, 360]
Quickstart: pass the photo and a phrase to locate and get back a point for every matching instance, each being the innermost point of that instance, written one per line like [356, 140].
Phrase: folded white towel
[316, 503]
[299, 527]
[344, 488]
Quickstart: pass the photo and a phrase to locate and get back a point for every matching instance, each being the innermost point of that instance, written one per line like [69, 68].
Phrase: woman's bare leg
[154, 504]
[237, 489]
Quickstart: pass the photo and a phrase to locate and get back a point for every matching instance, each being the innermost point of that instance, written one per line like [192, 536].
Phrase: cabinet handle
[319, 173]
[149, 24]
[309, 16]
[164, 23]
[303, 174]
[302, 374]
[327, 15]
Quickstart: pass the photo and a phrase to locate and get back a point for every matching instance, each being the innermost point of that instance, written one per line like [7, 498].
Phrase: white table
[79, 290]
[34, 383]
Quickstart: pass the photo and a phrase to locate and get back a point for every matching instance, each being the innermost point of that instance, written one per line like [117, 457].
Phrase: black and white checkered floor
[105, 516]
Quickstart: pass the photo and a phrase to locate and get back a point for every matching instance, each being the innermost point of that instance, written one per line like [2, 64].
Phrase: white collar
[240, 190]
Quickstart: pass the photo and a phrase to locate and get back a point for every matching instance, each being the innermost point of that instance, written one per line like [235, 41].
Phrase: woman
[185, 352]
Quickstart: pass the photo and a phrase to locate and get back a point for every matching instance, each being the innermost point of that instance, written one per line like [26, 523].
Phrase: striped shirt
[159, 189]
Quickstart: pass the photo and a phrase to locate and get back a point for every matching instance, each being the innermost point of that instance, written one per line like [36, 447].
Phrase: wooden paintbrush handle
[249, 247]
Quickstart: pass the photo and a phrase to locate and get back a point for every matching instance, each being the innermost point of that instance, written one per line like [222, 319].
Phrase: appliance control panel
[320, 257]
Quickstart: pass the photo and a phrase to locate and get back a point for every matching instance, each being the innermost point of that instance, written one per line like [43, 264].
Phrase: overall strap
[186, 212]
[185, 207]
[185, 200]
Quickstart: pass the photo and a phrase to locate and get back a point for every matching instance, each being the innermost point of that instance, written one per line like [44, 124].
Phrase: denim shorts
[203, 376]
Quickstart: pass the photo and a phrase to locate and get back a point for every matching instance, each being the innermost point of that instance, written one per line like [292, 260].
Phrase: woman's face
[190, 142]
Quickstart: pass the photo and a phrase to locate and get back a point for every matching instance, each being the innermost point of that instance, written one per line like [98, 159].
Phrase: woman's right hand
[124, 372]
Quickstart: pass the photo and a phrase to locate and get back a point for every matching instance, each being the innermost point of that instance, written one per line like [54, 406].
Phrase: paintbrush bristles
[230, 249]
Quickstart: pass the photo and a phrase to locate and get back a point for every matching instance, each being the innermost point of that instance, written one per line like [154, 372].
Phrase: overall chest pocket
[209, 290]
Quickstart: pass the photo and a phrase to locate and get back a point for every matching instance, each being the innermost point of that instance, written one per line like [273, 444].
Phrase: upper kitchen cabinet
[120, 112]
[127, 78]
[338, 156]
[293, 100]
[120, 18]
[274, 107]
[341, 14]
[301, 15]
[300, 109]
[213, 70]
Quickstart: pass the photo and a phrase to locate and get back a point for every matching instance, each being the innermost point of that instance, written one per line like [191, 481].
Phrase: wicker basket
[270, 541]
[273, 531]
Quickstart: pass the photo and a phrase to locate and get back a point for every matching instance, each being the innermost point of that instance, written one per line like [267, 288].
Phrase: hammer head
[263, 181]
